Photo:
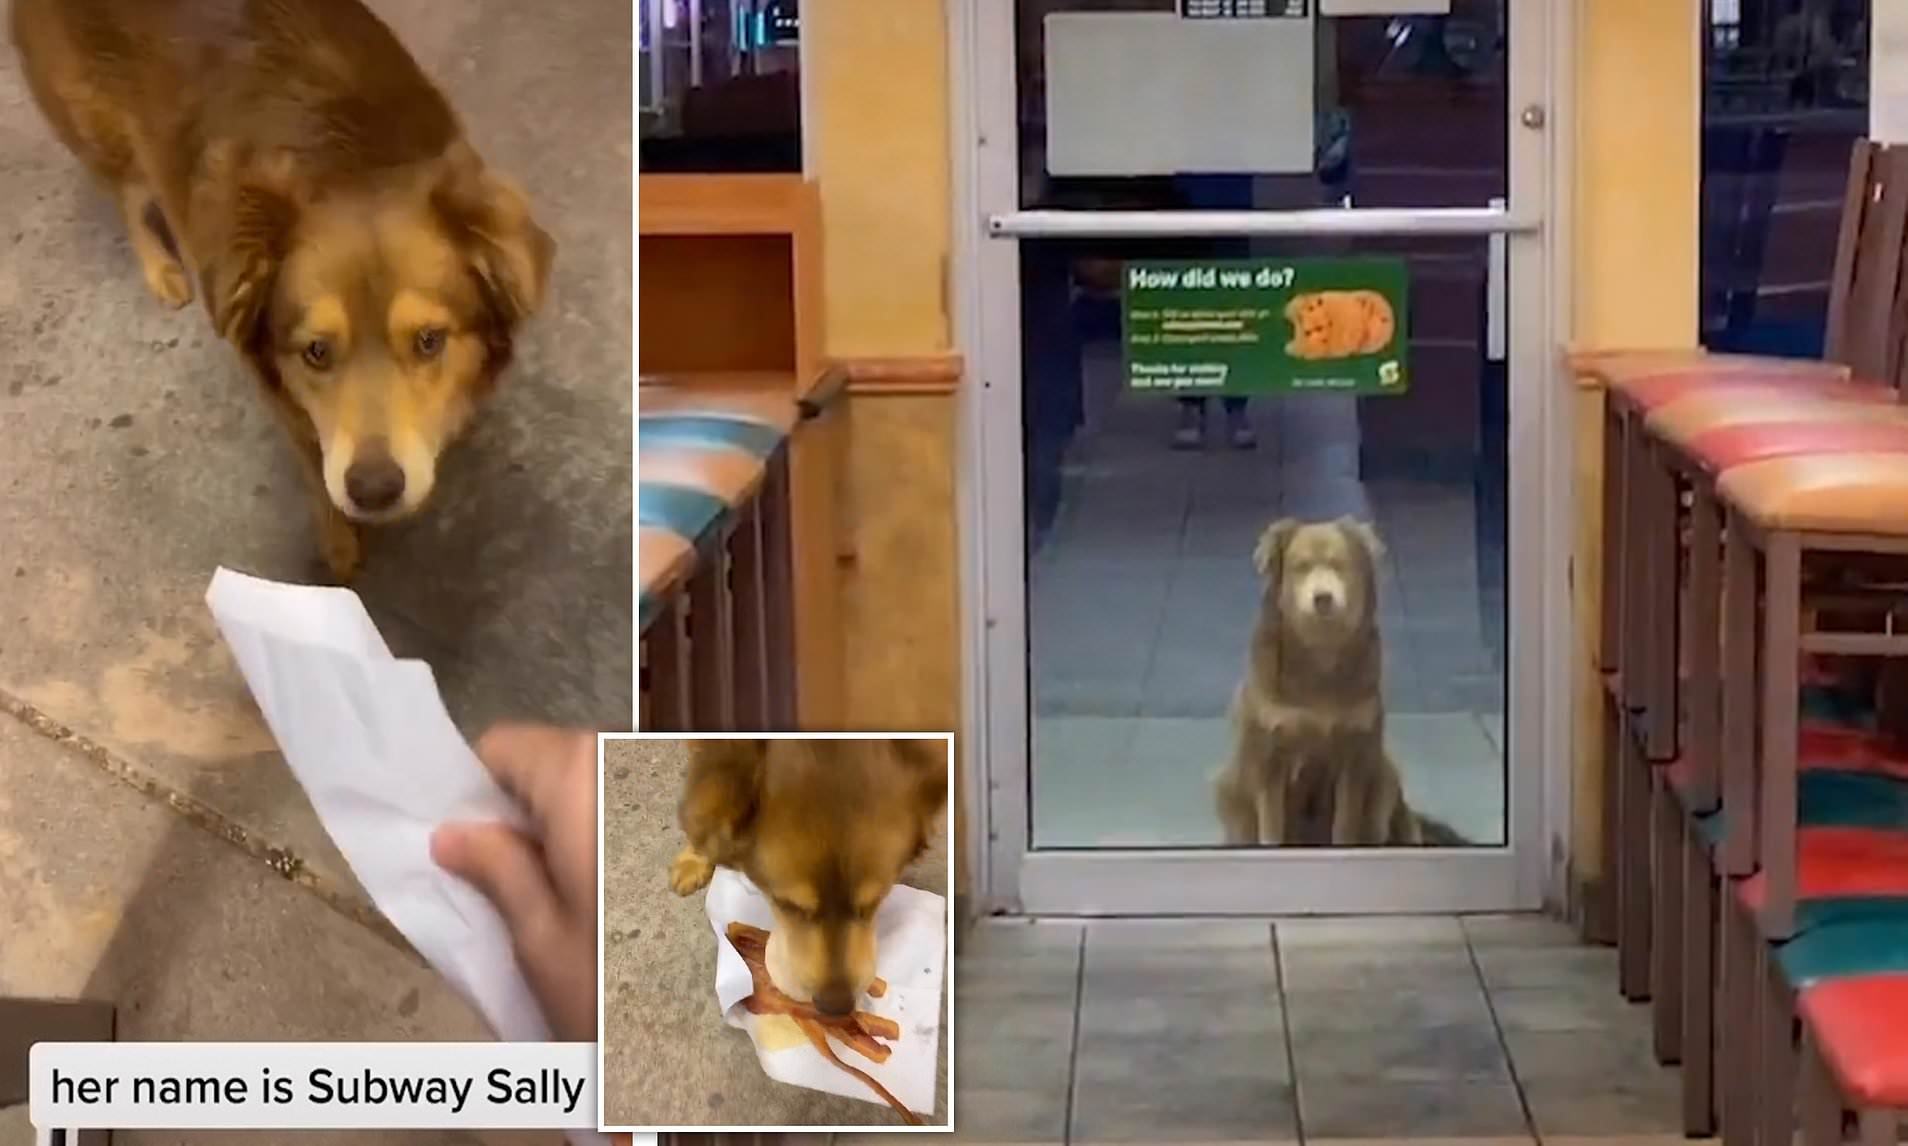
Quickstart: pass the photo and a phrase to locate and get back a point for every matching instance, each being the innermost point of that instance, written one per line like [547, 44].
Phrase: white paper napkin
[910, 954]
[368, 738]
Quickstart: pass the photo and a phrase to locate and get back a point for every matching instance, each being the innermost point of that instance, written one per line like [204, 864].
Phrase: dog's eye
[317, 354]
[430, 342]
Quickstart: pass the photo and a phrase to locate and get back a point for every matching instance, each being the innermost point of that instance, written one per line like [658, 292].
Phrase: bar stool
[1640, 615]
[1691, 440]
[1830, 899]
[1638, 607]
[1858, 339]
[1667, 461]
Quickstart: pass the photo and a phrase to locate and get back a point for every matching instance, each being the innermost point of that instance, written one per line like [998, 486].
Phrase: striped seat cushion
[703, 454]
[1624, 372]
[1860, 1022]
[1727, 446]
[1748, 386]
[1840, 868]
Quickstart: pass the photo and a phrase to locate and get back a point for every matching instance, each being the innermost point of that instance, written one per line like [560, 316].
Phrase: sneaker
[1240, 433]
[1191, 433]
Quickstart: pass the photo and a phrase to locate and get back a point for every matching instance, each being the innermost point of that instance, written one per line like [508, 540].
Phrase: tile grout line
[1285, 1028]
[1073, 1044]
[1165, 605]
[1497, 1027]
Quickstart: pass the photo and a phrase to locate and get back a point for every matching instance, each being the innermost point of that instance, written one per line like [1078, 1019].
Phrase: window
[720, 85]
[1785, 95]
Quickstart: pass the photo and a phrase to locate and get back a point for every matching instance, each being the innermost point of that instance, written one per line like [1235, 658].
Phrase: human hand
[543, 883]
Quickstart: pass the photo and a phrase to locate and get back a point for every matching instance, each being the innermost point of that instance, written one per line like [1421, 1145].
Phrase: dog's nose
[835, 1001]
[1323, 602]
[374, 482]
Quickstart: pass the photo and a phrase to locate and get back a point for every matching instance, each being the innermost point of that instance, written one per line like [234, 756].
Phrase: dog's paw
[690, 872]
[168, 283]
[342, 549]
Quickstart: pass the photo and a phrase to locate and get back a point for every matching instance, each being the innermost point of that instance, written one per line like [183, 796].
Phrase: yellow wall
[1637, 166]
[877, 140]
[1633, 282]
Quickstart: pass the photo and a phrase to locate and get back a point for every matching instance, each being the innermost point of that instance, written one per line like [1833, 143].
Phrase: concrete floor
[108, 894]
[659, 975]
[138, 458]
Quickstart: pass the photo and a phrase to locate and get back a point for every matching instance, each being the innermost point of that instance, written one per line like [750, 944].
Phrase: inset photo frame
[776, 942]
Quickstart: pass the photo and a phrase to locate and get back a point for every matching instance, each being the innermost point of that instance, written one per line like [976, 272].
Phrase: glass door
[1266, 461]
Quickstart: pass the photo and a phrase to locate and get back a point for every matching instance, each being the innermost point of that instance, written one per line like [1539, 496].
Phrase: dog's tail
[1438, 834]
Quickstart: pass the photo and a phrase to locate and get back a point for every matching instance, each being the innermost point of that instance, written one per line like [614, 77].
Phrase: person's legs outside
[1238, 426]
[1191, 432]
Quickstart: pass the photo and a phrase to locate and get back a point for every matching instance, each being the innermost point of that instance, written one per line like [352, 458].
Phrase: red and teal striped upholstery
[702, 454]
[1848, 959]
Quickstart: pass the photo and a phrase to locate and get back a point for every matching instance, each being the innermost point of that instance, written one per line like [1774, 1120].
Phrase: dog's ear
[720, 796]
[237, 281]
[927, 765]
[490, 220]
[1365, 535]
[1269, 553]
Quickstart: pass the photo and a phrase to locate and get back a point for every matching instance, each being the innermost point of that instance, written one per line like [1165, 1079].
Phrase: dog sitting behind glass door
[1309, 765]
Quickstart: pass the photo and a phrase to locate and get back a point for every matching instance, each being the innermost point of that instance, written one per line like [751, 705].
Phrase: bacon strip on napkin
[861, 1031]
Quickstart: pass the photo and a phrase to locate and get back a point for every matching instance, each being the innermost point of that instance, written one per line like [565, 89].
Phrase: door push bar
[1337, 222]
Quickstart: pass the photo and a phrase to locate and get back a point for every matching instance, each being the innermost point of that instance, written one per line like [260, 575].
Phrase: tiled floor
[1475, 1030]
[1142, 599]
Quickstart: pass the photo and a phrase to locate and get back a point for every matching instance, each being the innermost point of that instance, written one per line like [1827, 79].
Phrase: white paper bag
[910, 954]
[368, 738]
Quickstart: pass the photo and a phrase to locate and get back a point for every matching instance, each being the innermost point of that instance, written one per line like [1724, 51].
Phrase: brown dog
[825, 828]
[1309, 764]
[289, 160]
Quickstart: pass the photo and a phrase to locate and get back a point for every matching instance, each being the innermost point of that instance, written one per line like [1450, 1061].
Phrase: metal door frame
[1014, 878]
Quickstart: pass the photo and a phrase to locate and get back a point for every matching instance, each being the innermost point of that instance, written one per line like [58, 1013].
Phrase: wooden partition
[730, 276]
[730, 280]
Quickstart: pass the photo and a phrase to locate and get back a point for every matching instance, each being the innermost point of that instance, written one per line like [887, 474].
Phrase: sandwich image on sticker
[1330, 324]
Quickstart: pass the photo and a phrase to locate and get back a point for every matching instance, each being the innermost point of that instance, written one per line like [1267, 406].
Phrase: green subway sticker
[1243, 327]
